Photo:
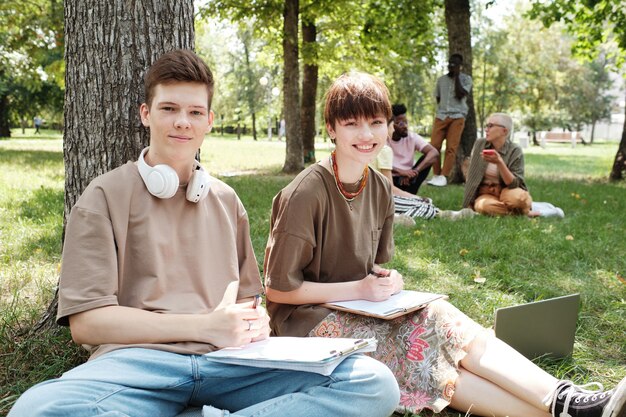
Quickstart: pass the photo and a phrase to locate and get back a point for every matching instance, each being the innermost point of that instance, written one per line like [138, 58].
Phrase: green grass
[522, 260]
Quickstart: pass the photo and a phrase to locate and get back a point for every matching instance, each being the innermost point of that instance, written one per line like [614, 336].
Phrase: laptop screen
[545, 327]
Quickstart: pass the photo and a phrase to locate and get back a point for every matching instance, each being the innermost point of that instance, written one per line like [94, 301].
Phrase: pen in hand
[257, 301]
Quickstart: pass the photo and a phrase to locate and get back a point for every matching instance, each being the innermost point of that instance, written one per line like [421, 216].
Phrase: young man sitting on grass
[158, 269]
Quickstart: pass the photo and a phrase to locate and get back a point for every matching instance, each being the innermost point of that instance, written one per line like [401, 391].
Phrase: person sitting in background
[495, 179]
[409, 175]
[407, 206]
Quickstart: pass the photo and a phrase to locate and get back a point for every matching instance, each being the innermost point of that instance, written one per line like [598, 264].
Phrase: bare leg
[480, 397]
[500, 364]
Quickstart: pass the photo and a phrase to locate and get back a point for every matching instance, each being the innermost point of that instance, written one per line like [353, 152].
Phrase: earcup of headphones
[160, 180]
[198, 186]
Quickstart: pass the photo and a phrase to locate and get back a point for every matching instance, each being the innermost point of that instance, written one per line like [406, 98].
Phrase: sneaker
[438, 181]
[466, 213]
[403, 220]
[569, 400]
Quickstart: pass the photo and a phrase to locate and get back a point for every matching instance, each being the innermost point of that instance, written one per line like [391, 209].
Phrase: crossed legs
[511, 201]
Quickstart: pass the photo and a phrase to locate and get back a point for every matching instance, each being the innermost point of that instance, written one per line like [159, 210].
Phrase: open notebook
[310, 354]
[397, 305]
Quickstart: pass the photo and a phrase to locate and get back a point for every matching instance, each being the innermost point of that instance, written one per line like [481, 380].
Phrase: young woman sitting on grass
[332, 228]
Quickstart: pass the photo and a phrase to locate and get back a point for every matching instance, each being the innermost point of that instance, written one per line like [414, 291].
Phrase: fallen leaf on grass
[478, 279]
[621, 278]
[463, 252]
[569, 237]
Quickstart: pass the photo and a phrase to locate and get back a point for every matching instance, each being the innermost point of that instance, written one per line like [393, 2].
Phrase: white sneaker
[403, 220]
[438, 181]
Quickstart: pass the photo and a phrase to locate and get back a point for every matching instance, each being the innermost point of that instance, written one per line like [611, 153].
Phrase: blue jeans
[144, 382]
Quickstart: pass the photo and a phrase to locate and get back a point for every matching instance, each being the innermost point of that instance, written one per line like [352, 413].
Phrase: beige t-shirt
[384, 159]
[125, 247]
[316, 237]
[492, 174]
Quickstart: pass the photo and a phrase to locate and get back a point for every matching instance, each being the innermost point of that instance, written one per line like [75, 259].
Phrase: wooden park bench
[563, 137]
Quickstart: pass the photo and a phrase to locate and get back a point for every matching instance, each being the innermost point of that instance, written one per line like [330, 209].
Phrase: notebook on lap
[545, 327]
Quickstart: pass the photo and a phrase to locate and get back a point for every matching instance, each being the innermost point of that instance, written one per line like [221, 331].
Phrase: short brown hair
[178, 65]
[356, 95]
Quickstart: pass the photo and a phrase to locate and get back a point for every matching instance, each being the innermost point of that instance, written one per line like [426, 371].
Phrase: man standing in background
[451, 93]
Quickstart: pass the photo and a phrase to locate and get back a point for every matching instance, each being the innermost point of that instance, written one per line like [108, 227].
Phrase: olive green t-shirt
[125, 247]
[316, 237]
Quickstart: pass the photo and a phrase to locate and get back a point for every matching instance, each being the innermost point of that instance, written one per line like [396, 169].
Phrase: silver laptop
[545, 327]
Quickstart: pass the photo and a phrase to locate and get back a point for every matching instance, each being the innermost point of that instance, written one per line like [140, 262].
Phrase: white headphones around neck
[162, 180]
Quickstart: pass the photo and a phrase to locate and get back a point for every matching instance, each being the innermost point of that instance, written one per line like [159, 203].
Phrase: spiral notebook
[406, 301]
[310, 354]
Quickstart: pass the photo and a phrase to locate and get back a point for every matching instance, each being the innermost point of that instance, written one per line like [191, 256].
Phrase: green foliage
[521, 259]
[31, 59]
[592, 22]
[391, 39]
[528, 70]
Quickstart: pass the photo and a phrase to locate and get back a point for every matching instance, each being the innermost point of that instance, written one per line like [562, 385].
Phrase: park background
[544, 76]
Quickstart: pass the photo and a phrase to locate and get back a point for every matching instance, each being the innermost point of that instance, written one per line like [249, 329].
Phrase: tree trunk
[5, 132]
[457, 13]
[619, 165]
[294, 160]
[593, 132]
[108, 46]
[309, 89]
[250, 91]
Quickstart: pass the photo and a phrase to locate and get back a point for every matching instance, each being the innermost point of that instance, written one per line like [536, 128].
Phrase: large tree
[109, 45]
[457, 13]
[310, 70]
[592, 22]
[294, 159]
[31, 61]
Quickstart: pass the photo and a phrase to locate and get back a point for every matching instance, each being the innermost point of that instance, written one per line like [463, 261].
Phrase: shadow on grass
[44, 207]
[30, 157]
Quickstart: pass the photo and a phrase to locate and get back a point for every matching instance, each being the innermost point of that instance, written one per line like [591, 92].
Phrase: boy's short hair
[356, 95]
[178, 65]
[457, 57]
[398, 109]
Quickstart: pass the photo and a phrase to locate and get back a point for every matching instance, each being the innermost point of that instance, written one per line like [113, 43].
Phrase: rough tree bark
[294, 159]
[5, 131]
[618, 172]
[457, 14]
[108, 46]
[309, 89]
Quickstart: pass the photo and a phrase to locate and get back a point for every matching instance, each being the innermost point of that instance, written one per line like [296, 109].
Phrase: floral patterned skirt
[422, 349]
